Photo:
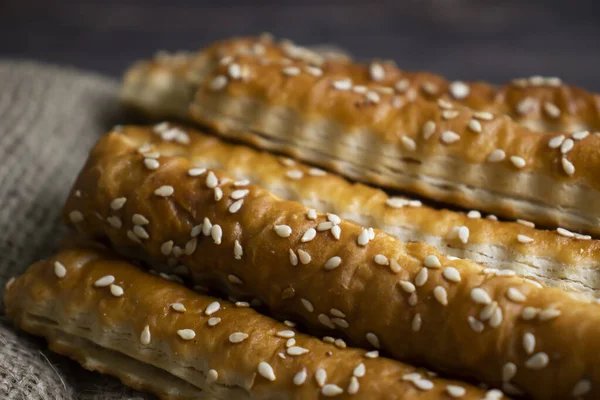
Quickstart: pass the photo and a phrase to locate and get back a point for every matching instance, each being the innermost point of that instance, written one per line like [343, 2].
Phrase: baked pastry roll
[164, 85]
[337, 277]
[346, 117]
[554, 258]
[157, 335]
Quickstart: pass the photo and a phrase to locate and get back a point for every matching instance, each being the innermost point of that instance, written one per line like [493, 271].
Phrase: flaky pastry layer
[337, 277]
[556, 260]
[157, 335]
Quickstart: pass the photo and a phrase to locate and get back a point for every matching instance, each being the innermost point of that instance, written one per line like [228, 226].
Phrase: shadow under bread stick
[159, 336]
[407, 299]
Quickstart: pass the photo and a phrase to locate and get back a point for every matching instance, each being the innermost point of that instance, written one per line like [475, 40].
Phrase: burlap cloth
[49, 119]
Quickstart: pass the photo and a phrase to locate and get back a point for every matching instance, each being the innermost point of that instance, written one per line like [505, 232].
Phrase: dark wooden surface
[464, 39]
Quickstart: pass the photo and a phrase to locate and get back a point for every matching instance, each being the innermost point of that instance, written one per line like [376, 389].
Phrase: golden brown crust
[456, 318]
[447, 152]
[551, 258]
[105, 325]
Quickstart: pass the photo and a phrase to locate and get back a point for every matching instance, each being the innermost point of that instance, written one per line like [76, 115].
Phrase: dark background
[461, 39]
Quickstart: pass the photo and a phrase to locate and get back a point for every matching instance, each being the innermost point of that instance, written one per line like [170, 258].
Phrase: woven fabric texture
[50, 117]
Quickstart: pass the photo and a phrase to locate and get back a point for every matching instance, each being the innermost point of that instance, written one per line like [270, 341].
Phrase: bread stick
[336, 276]
[157, 335]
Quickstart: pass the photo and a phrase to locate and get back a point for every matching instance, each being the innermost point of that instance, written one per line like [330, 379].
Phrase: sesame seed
[216, 233]
[308, 305]
[342, 84]
[145, 335]
[325, 320]
[236, 206]
[552, 110]
[394, 266]
[291, 71]
[408, 143]
[140, 232]
[496, 156]
[139, 219]
[582, 237]
[407, 286]
[526, 223]
[332, 263]
[509, 370]
[529, 342]
[266, 371]
[196, 171]
[116, 290]
[582, 388]
[402, 85]
[242, 304]
[537, 361]
[567, 166]
[423, 384]
[114, 221]
[515, 295]
[497, 317]
[483, 115]
[564, 232]
[413, 376]
[334, 219]
[151, 163]
[452, 274]
[526, 106]
[212, 376]
[360, 89]
[580, 135]
[314, 71]
[372, 97]
[430, 88]
[396, 202]
[293, 258]
[449, 137]
[218, 83]
[376, 72]
[288, 162]
[241, 183]
[556, 142]
[321, 376]
[428, 129]
[363, 237]
[132, 236]
[234, 71]
[239, 194]
[371, 233]
[524, 239]
[475, 126]
[235, 280]
[186, 334]
[294, 174]
[459, 90]
[212, 308]
[421, 277]
[238, 251]
[238, 337]
[178, 307]
[164, 191]
[118, 203]
[166, 248]
[567, 146]
[59, 270]
[480, 296]
[450, 114]
[304, 257]
[75, 216]
[488, 311]
[311, 214]
[373, 339]
[153, 155]
[380, 259]
[283, 230]
[296, 350]
[431, 261]
[548, 314]
[463, 234]
[372, 354]
[316, 172]
[416, 323]
[353, 386]
[440, 294]
[286, 334]
[309, 235]
[331, 390]
[517, 161]
[104, 281]
[300, 377]
[214, 321]
[455, 391]
[211, 180]
[336, 231]
[475, 324]
[529, 313]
